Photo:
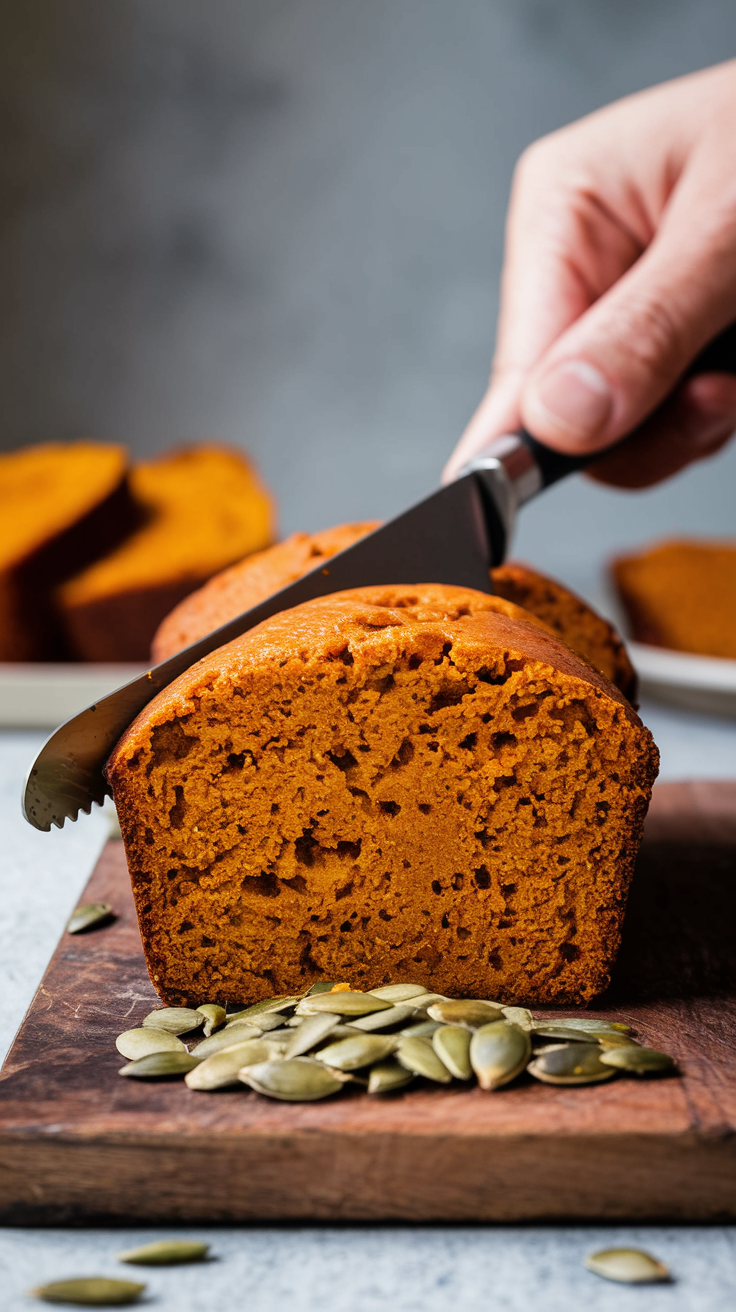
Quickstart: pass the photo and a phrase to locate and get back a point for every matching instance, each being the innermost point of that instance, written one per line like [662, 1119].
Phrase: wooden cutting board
[79, 1143]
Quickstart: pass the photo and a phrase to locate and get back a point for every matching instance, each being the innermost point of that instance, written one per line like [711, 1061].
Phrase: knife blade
[455, 536]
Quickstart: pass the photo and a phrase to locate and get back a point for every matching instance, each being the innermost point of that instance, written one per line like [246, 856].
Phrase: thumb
[620, 359]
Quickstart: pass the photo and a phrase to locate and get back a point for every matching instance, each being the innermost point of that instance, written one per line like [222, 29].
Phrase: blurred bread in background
[62, 504]
[202, 508]
[681, 594]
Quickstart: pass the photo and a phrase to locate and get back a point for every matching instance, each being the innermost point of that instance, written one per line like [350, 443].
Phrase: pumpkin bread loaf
[251, 580]
[203, 508]
[681, 594]
[62, 504]
[385, 783]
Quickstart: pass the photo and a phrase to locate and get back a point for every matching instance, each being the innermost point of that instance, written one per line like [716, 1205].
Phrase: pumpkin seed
[383, 1020]
[520, 1016]
[214, 1017]
[464, 1011]
[636, 1060]
[90, 915]
[175, 1020]
[89, 1291]
[221, 1069]
[588, 1024]
[561, 1034]
[141, 1042]
[570, 1063]
[417, 1055]
[499, 1052]
[160, 1063]
[452, 1045]
[301, 1079]
[615, 1040]
[270, 1020]
[423, 1029]
[347, 1003]
[425, 1000]
[312, 1031]
[322, 986]
[386, 1076]
[226, 1038]
[360, 1050]
[165, 1252]
[629, 1266]
[277, 1004]
[399, 992]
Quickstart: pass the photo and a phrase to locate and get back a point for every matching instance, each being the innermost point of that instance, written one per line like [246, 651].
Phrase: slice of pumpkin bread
[250, 581]
[384, 783]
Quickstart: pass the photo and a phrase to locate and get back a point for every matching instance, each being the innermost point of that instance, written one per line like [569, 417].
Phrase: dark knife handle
[719, 356]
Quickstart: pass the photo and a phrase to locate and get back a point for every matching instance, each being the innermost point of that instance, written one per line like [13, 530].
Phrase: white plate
[698, 683]
[43, 696]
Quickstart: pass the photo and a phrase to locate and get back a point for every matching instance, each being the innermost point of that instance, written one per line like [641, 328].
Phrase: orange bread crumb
[202, 508]
[250, 581]
[385, 783]
[681, 594]
[61, 505]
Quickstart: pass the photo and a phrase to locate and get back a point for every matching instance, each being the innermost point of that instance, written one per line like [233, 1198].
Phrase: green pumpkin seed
[399, 992]
[214, 1017]
[387, 1076]
[226, 1038]
[347, 1003]
[383, 1020]
[91, 915]
[282, 1003]
[464, 1011]
[615, 1040]
[360, 1050]
[301, 1079]
[165, 1252]
[89, 1291]
[452, 1045]
[499, 1052]
[312, 1031]
[424, 1000]
[423, 1029]
[520, 1016]
[417, 1055]
[571, 1063]
[175, 1020]
[322, 986]
[636, 1060]
[140, 1042]
[221, 1069]
[558, 1034]
[628, 1266]
[160, 1063]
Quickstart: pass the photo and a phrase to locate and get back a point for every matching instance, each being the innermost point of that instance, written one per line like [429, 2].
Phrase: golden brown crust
[681, 594]
[572, 618]
[252, 580]
[385, 782]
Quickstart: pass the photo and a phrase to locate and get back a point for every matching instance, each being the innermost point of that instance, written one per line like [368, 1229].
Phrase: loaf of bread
[202, 508]
[681, 594]
[251, 580]
[62, 504]
[381, 784]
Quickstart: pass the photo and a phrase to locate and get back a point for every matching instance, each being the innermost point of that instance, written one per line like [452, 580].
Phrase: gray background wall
[279, 222]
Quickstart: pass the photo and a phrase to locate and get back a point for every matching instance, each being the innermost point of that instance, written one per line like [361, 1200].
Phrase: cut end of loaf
[381, 784]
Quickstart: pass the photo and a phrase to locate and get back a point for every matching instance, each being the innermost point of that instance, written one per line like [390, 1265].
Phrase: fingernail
[575, 397]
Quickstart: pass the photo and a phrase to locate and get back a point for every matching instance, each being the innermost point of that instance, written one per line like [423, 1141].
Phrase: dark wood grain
[78, 1143]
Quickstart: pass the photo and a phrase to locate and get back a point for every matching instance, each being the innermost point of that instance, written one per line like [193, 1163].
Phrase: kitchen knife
[453, 536]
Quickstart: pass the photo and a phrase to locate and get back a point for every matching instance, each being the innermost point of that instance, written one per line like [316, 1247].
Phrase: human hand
[620, 266]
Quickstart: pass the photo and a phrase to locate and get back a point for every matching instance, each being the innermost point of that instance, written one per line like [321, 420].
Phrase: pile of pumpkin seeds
[304, 1047]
